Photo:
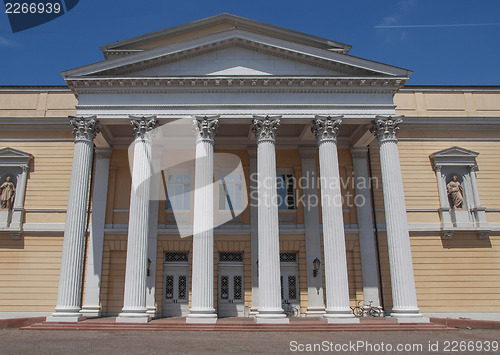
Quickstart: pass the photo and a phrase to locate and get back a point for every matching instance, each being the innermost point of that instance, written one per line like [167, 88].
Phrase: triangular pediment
[235, 60]
[455, 152]
[236, 52]
[13, 157]
[454, 156]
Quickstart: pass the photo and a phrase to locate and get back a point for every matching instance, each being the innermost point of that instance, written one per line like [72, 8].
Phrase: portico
[265, 99]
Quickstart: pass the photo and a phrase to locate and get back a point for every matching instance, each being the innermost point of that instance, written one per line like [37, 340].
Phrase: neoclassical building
[231, 168]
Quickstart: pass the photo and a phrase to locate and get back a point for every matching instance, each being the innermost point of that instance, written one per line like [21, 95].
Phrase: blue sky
[445, 42]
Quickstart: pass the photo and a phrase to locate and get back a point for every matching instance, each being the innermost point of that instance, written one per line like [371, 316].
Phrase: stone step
[239, 326]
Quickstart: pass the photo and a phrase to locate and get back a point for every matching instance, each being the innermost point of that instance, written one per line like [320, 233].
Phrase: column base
[202, 315]
[151, 312]
[315, 312]
[91, 311]
[65, 317]
[126, 317]
[407, 318]
[271, 316]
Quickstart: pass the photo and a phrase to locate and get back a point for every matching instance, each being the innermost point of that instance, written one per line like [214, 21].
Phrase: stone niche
[14, 169]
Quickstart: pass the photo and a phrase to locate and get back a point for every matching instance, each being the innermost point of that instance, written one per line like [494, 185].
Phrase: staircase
[238, 325]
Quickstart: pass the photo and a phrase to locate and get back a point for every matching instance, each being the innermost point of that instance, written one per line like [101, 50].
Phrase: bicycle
[367, 309]
[290, 310]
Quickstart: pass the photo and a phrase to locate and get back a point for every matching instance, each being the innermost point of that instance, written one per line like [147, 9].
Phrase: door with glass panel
[231, 286]
[175, 287]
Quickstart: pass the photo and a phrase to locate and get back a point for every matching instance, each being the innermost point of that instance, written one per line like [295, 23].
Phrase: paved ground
[40, 342]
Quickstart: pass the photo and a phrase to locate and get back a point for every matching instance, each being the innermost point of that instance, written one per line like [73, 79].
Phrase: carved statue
[455, 191]
[8, 192]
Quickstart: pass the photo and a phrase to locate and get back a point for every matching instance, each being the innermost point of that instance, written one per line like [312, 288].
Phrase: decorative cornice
[142, 126]
[386, 128]
[84, 128]
[326, 128]
[205, 127]
[199, 84]
[265, 127]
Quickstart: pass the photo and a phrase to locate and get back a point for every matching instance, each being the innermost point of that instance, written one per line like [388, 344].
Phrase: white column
[254, 229]
[404, 296]
[18, 208]
[134, 299]
[316, 304]
[92, 306]
[70, 280]
[365, 225]
[478, 209]
[270, 310]
[336, 283]
[202, 301]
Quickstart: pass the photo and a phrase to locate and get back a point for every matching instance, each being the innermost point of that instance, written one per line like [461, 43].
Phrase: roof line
[218, 19]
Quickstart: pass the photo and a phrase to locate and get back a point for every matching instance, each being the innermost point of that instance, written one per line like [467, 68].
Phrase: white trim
[44, 227]
[13, 315]
[475, 316]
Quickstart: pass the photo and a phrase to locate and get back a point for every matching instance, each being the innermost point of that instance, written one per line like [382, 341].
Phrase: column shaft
[202, 302]
[316, 305]
[70, 280]
[92, 305]
[404, 296]
[134, 298]
[270, 309]
[254, 229]
[336, 283]
[365, 225]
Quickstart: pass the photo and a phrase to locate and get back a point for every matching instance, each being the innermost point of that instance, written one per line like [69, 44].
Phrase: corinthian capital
[265, 128]
[386, 128]
[84, 128]
[326, 128]
[205, 127]
[142, 125]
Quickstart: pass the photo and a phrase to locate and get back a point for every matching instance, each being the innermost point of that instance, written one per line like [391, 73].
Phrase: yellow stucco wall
[451, 275]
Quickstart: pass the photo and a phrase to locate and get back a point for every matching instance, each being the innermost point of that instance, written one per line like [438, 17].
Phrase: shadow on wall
[466, 241]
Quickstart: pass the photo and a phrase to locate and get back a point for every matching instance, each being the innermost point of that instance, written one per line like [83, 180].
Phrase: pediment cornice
[338, 62]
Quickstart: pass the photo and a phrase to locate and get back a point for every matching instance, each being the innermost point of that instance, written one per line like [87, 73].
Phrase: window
[286, 191]
[179, 191]
[230, 191]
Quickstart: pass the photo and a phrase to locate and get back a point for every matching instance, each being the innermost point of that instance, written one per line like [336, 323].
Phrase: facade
[380, 192]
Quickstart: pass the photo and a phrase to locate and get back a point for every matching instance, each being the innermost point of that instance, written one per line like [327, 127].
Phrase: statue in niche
[8, 192]
[455, 192]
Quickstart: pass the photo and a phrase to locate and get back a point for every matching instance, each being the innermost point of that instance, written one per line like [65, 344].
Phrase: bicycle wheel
[357, 311]
[375, 312]
[296, 312]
